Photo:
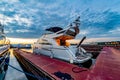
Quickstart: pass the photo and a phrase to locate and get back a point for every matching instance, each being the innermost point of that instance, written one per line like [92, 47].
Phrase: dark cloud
[28, 18]
[100, 23]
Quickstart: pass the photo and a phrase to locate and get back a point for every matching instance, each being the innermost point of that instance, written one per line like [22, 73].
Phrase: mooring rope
[29, 74]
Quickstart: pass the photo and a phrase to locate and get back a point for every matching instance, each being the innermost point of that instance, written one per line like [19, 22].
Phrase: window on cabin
[44, 42]
[61, 32]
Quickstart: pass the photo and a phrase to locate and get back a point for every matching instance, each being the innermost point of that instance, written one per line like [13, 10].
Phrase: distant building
[109, 43]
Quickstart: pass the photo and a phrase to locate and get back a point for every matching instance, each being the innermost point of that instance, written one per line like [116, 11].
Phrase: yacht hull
[61, 52]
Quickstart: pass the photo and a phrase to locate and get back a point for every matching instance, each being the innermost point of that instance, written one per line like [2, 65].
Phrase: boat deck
[50, 66]
[106, 67]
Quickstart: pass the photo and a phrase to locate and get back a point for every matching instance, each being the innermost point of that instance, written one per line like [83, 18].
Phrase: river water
[13, 74]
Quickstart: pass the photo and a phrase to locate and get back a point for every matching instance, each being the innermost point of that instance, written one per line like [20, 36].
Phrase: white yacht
[54, 43]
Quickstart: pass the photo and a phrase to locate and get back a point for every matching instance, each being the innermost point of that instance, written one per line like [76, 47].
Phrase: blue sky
[29, 18]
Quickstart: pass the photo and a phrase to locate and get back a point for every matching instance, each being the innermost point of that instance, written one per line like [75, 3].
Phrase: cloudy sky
[29, 18]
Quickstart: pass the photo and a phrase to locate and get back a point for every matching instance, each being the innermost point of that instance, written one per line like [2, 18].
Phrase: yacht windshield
[54, 29]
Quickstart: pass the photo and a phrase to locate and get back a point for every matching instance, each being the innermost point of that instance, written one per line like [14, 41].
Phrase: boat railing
[51, 50]
[72, 56]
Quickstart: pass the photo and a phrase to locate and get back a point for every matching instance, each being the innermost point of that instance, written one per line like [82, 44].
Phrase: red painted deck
[107, 66]
[50, 65]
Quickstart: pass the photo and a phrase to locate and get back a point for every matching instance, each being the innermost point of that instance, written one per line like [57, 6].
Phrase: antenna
[1, 29]
[77, 21]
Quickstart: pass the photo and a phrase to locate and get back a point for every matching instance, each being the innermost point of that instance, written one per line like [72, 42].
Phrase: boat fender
[63, 76]
[6, 66]
[1, 59]
[71, 61]
[1, 65]
[1, 69]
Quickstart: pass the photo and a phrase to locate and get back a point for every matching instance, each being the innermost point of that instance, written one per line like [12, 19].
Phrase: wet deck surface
[13, 74]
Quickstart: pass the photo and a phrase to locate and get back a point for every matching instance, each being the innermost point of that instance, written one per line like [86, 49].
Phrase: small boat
[54, 43]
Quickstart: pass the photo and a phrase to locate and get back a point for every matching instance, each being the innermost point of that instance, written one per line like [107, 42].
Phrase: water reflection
[2, 74]
[11, 53]
[13, 74]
